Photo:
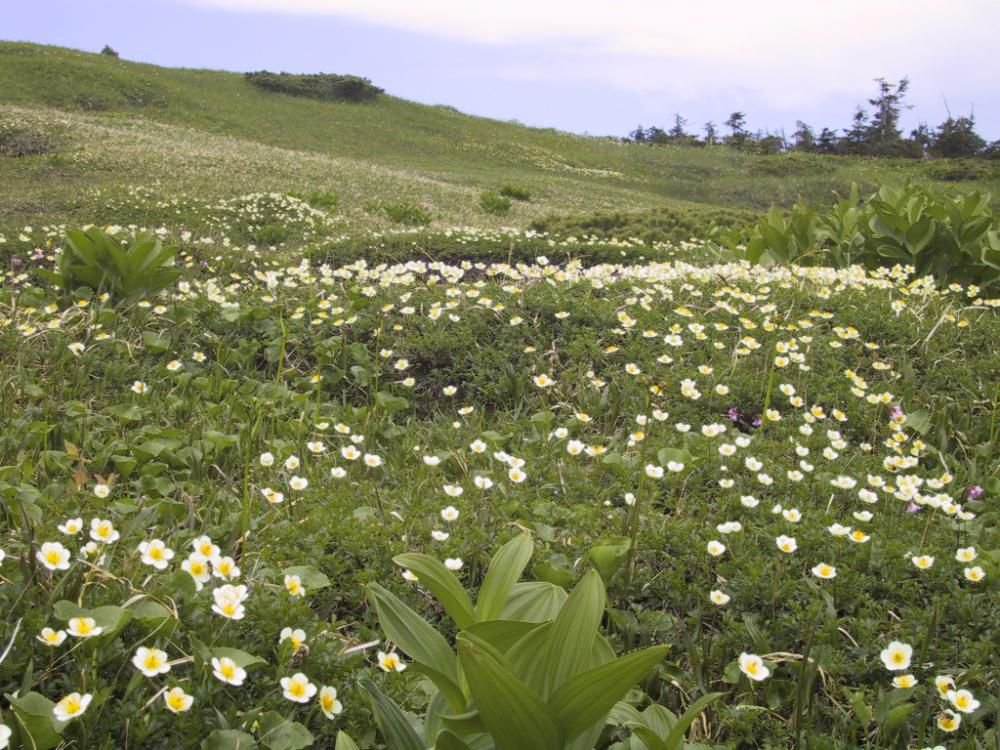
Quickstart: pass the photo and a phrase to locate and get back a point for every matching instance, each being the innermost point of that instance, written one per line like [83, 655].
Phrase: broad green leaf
[534, 601]
[588, 696]
[895, 719]
[312, 579]
[448, 740]
[391, 720]
[570, 641]
[279, 733]
[35, 721]
[515, 716]
[414, 635]
[344, 742]
[504, 571]
[228, 739]
[502, 634]
[391, 403]
[110, 618]
[436, 578]
[241, 658]
[676, 736]
[609, 556]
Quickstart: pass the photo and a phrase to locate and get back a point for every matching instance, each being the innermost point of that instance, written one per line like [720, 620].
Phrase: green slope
[116, 124]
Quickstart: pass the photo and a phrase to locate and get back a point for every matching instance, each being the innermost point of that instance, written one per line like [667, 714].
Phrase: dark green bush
[403, 212]
[18, 140]
[126, 269]
[667, 224]
[954, 238]
[326, 86]
[494, 204]
[517, 192]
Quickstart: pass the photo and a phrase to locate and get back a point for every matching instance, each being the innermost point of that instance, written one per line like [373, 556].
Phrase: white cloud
[784, 52]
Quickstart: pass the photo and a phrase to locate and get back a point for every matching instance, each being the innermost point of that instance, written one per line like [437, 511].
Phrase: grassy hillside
[111, 124]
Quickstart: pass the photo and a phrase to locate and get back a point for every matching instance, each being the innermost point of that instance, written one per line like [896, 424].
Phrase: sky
[575, 65]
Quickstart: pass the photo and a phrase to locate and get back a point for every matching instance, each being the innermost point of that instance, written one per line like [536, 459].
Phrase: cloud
[785, 53]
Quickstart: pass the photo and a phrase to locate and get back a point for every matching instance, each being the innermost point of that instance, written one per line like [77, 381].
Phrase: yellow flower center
[152, 661]
[176, 701]
[70, 705]
[897, 657]
[297, 689]
[390, 662]
[752, 667]
[156, 553]
[962, 701]
[327, 702]
[83, 626]
[228, 671]
[52, 557]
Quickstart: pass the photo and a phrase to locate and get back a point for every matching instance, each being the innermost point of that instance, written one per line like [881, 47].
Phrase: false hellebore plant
[529, 670]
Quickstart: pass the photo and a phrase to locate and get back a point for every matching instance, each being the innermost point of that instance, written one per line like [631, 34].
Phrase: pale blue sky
[573, 64]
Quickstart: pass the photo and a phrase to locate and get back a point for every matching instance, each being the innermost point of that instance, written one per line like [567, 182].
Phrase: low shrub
[666, 224]
[325, 86]
[127, 269]
[18, 140]
[494, 204]
[953, 238]
[516, 192]
[402, 212]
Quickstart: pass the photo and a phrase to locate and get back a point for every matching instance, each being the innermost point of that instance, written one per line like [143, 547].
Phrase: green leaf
[588, 696]
[111, 619]
[155, 343]
[279, 733]
[676, 736]
[312, 579]
[391, 403]
[504, 571]
[448, 740]
[228, 739]
[241, 658]
[420, 641]
[609, 556]
[570, 641]
[895, 719]
[391, 720]
[344, 742]
[502, 634]
[534, 601]
[37, 724]
[436, 578]
[515, 716]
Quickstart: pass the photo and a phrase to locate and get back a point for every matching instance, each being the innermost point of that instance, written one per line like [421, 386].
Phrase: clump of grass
[17, 140]
[516, 192]
[494, 204]
[402, 212]
[325, 200]
[325, 86]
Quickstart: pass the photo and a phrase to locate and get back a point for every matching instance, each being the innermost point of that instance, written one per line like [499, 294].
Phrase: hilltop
[108, 125]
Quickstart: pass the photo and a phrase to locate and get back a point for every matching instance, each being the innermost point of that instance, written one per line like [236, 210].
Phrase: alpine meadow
[330, 419]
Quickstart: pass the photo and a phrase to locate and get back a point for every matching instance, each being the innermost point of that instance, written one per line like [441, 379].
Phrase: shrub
[516, 192]
[666, 224]
[20, 140]
[325, 86]
[98, 261]
[403, 212]
[109, 51]
[954, 238]
[322, 199]
[494, 204]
